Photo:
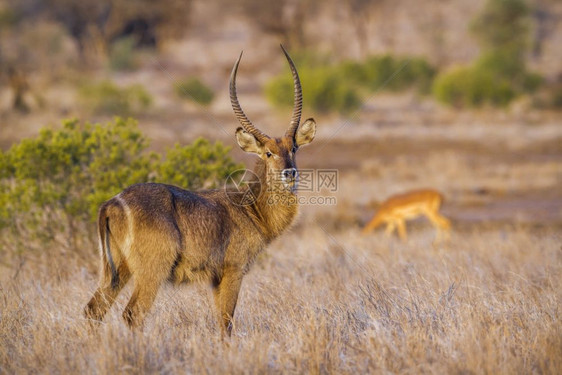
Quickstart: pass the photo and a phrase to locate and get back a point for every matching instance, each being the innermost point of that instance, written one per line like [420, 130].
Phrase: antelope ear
[305, 132]
[248, 142]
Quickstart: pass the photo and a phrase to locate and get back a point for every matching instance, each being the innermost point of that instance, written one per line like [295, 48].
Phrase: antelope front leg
[389, 228]
[402, 230]
[226, 296]
[370, 225]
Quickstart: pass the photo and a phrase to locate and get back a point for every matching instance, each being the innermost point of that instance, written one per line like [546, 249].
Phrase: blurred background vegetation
[469, 54]
[52, 185]
[167, 63]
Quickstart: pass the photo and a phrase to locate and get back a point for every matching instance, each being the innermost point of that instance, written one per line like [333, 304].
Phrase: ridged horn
[240, 115]
[297, 107]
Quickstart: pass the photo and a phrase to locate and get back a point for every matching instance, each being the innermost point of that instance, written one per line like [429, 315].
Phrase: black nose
[290, 173]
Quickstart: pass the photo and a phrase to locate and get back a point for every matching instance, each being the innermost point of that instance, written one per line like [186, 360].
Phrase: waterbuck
[156, 232]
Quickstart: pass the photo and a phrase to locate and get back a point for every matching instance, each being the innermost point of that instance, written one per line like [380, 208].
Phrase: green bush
[532, 82]
[9, 17]
[504, 25]
[328, 87]
[390, 73]
[417, 73]
[324, 90]
[502, 64]
[195, 90]
[122, 55]
[52, 185]
[107, 98]
[500, 73]
[472, 87]
[493, 79]
[198, 165]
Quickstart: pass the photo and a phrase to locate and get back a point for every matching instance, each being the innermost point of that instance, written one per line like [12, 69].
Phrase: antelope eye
[268, 154]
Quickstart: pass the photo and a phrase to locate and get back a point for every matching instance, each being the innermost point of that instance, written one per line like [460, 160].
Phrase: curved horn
[297, 108]
[244, 121]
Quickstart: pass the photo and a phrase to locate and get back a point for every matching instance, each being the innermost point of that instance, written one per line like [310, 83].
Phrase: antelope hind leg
[105, 295]
[141, 300]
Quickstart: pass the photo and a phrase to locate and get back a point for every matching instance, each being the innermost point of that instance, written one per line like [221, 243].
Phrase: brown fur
[157, 233]
[161, 232]
[395, 210]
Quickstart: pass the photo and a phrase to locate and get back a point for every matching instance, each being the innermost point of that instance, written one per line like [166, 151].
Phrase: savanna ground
[487, 302]
[322, 298]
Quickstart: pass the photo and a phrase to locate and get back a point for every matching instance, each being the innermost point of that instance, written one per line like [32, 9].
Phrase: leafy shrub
[472, 87]
[503, 25]
[52, 185]
[122, 55]
[337, 87]
[107, 98]
[502, 64]
[500, 73]
[388, 72]
[195, 90]
[324, 90]
[418, 73]
[493, 79]
[532, 82]
[200, 164]
[8, 17]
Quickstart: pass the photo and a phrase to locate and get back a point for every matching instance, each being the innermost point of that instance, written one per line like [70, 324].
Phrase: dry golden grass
[488, 301]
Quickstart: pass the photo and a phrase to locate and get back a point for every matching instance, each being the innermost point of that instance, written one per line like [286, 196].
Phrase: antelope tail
[114, 275]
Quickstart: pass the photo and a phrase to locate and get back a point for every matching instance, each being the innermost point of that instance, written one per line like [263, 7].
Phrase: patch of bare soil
[483, 182]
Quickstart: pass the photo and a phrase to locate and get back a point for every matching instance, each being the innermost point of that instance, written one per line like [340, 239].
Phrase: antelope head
[278, 154]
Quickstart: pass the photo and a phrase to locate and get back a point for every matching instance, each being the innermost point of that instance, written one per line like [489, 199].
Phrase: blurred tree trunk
[361, 25]
[19, 85]
[359, 11]
[545, 24]
[285, 19]
[433, 27]
[298, 19]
